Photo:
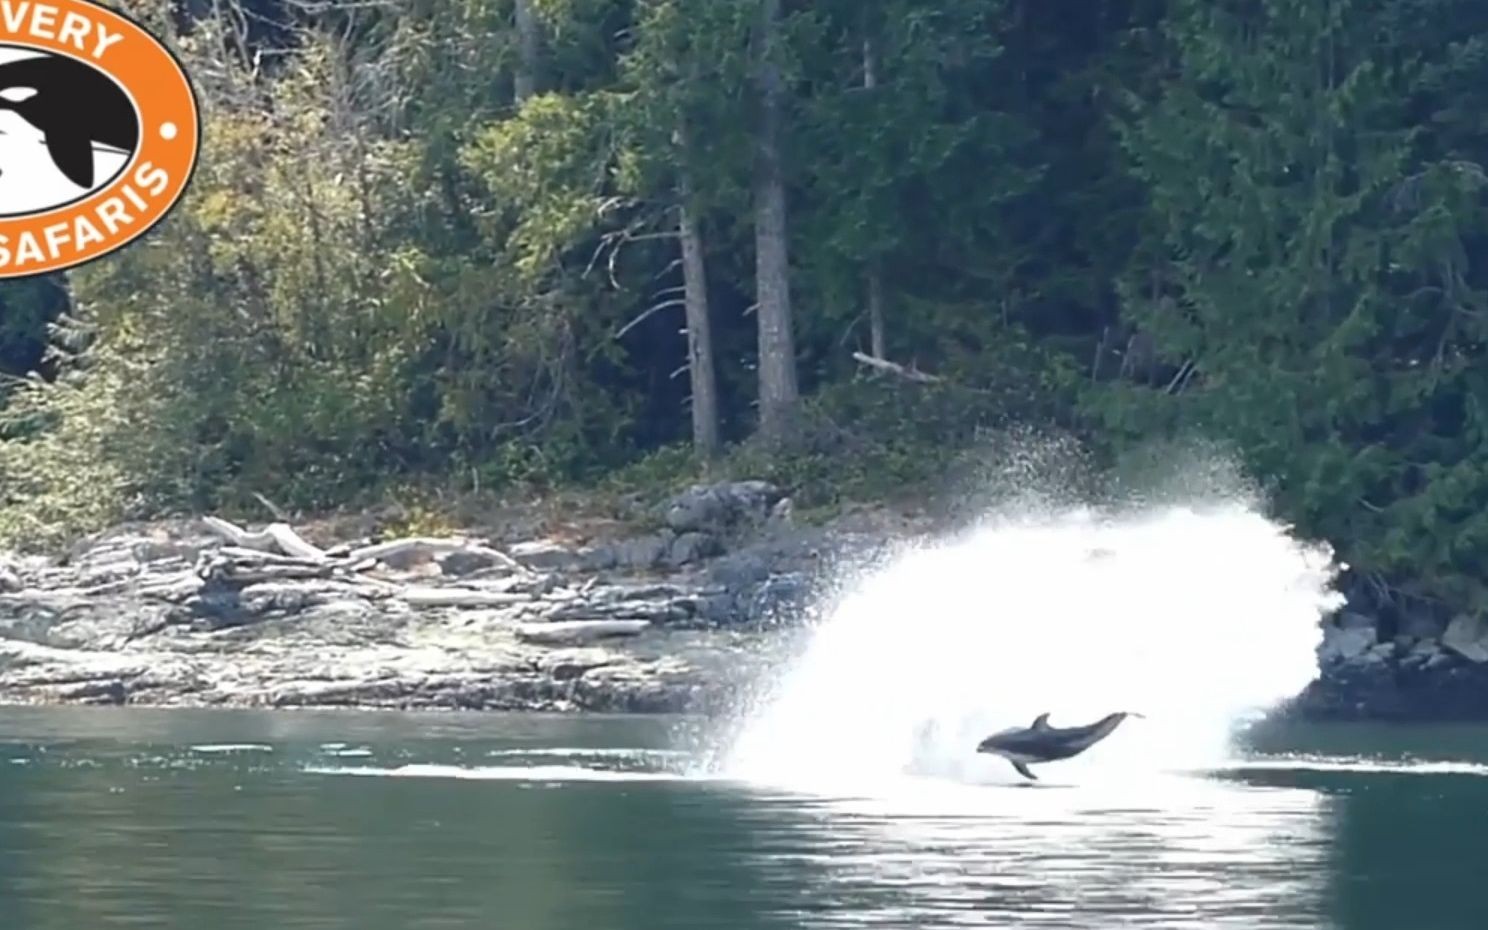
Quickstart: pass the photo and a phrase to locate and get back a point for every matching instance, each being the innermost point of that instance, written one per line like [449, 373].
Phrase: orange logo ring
[100, 132]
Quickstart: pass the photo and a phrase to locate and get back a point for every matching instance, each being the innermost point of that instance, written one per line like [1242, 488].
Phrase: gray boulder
[718, 508]
[691, 547]
[1468, 637]
[1345, 644]
[1423, 626]
[641, 553]
[538, 555]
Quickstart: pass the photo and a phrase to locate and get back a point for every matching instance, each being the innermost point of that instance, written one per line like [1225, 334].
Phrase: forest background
[501, 247]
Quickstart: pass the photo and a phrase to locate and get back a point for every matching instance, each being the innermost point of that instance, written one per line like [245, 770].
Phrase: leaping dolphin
[1043, 743]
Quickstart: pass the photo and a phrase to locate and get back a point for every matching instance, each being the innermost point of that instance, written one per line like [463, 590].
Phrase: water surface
[118, 817]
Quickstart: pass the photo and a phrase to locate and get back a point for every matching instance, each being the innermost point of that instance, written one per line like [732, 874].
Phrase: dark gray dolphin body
[1043, 743]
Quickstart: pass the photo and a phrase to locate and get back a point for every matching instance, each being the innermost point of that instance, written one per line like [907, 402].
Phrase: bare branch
[270, 506]
[894, 368]
[675, 302]
[1183, 371]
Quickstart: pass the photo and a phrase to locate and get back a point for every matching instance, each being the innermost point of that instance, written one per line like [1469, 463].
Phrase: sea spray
[1195, 613]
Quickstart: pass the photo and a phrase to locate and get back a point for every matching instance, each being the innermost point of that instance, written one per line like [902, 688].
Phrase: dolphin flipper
[1023, 770]
[73, 154]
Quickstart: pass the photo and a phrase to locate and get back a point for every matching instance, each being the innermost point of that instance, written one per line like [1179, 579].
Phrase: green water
[292, 821]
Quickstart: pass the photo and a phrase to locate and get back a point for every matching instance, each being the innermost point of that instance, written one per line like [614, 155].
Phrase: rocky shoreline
[1386, 666]
[681, 617]
[201, 613]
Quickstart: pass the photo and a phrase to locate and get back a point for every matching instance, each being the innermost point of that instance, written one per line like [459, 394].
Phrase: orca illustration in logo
[66, 129]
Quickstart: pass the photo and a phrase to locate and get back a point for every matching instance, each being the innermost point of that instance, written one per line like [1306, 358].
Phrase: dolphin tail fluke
[72, 153]
[1023, 770]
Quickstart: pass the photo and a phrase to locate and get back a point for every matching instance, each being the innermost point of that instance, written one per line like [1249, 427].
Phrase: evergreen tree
[1299, 282]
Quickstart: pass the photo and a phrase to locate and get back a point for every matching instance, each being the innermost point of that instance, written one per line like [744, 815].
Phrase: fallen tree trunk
[579, 632]
[263, 557]
[278, 541]
[894, 368]
[419, 547]
[224, 567]
[275, 536]
[460, 597]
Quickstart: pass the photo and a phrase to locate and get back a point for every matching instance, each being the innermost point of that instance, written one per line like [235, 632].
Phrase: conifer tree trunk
[705, 439]
[778, 393]
[528, 39]
[875, 273]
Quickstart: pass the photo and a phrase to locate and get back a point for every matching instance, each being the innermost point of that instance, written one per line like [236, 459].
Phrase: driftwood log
[579, 632]
[419, 547]
[460, 597]
[279, 542]
[275, 536]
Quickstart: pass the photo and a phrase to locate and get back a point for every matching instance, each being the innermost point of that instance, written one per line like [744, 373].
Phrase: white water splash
[1197, 615]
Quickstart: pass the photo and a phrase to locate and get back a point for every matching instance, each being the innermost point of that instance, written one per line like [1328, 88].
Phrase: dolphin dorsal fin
[1041, 722]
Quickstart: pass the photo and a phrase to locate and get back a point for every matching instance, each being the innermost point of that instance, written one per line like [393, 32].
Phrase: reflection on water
[303, 821]
[1175, 852]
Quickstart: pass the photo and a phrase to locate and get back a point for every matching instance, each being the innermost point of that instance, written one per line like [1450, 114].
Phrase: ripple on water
[556, 773]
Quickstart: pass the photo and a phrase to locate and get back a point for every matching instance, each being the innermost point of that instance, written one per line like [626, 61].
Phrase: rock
[460, 563]
[655, 603]
[598, 559]
[779, 599]
[783, 513]
[569, 671]
[1423, 625]
[720, 507]
[742, 569]
[9, 580]
[1425, 654]
[123, 621]
[641, 553]
[691, 547]
[542, 555]
[1353, 620]
[1344, 645]
[105, 692]
[1383, 652]
[1425, 647]
[1468, 637]
[717, 609]
[127, 618]
[1437, 660]
[784, 552]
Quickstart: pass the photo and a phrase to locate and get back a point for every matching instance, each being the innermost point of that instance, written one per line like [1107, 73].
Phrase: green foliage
[67, 453]
[1305, 281]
